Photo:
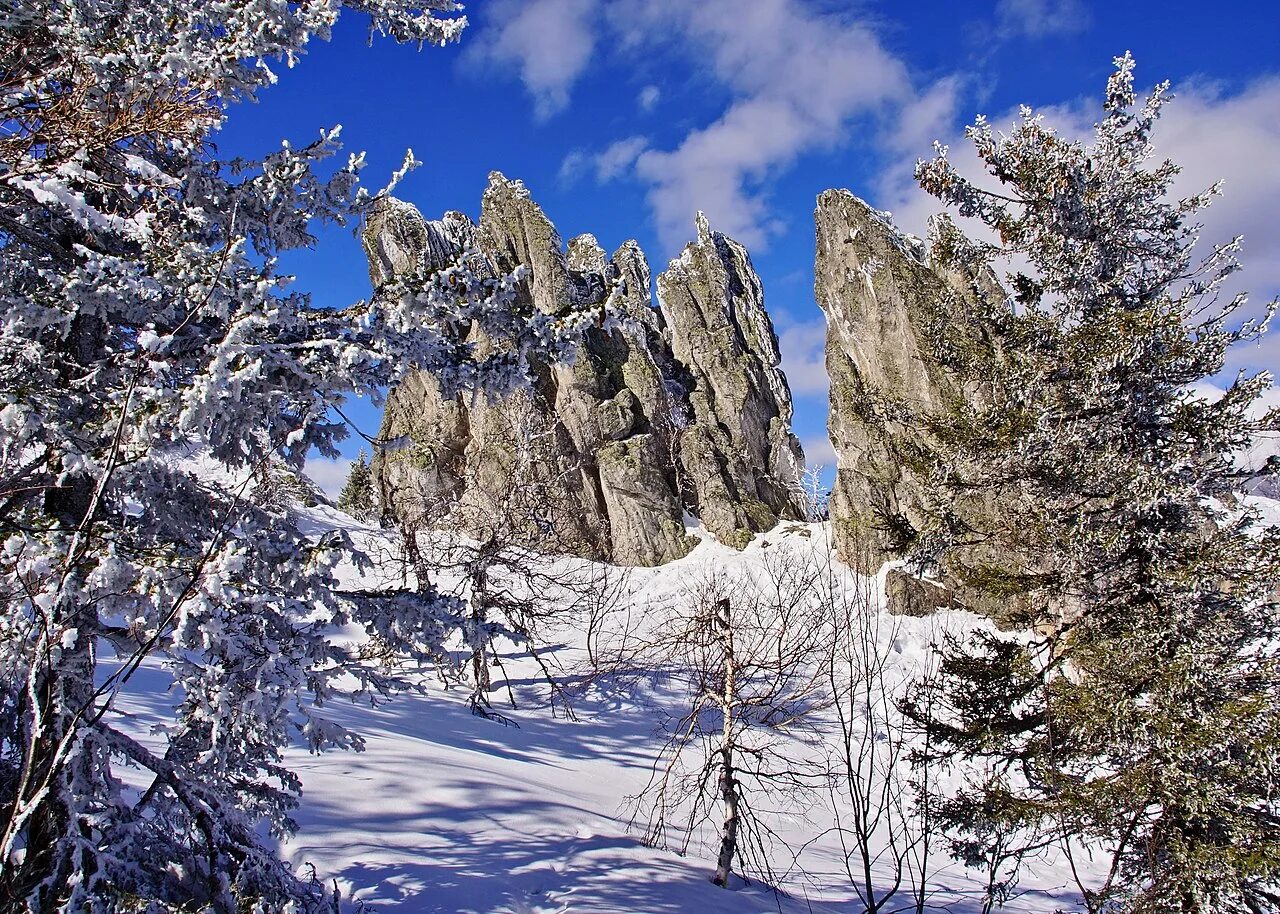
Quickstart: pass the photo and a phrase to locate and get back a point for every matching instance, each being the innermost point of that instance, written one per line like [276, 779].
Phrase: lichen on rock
[742, 458]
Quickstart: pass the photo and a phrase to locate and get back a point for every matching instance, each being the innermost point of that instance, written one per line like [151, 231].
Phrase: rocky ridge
[681, 409]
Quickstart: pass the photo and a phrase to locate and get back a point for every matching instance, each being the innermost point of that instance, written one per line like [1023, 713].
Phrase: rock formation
[682, 409]
[737, 448]
[397, 239]
[898, 328]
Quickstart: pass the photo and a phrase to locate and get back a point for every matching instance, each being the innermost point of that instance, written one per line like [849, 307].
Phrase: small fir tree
[357, 496]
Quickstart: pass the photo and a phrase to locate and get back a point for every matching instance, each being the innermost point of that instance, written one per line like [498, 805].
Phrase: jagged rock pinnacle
[644, 425]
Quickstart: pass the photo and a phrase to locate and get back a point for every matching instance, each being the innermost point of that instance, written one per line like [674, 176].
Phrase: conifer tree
[1142, 722]
[357, 497]
[152, 363]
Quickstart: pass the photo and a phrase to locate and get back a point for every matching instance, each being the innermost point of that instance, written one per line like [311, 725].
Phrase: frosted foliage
[1142, 718]
[142, 321]
[1120, 310]
[1097, 223]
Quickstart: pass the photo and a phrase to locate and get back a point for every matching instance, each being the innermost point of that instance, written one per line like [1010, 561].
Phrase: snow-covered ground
[446, 811]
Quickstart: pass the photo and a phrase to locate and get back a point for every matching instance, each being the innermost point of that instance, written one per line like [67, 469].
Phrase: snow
[1268, 509]
[445, 811]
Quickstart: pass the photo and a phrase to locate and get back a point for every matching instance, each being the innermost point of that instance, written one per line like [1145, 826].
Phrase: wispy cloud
[329, 474]
[928, 118]
[549, 44]
[648, 98]
[619, 157]
[803, 354]
[1039, 18]
[819, 452]
[798, 77]
[604, 166]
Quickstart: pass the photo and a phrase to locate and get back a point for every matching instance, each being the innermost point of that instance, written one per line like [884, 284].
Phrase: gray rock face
[738, 451]
[617, 445]
[397, 240]
[888, 306]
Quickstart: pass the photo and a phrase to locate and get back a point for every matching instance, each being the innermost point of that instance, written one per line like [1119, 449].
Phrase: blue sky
[625, 116]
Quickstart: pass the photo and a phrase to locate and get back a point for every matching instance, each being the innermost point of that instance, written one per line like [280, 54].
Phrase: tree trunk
[480, 672]
[479, 617]
[729, 799]
[728, 780]
[65, 697]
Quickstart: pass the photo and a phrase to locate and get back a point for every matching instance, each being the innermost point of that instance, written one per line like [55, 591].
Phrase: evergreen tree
[1143, 720]
[142, 322]
[357, 497]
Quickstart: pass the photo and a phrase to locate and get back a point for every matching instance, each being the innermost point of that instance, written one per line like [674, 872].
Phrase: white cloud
[911, 207]
[798, 77]
[929, 117]
[648, 98]
[548, 42]
[329, 474]
[1232, 138]
[819, 452]
[803, 354]
[573, 164]
[618, 157]
[1038, 18]
[925, 118]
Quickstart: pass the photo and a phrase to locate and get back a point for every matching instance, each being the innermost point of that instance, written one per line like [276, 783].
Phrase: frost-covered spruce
[141, 321]
[357, 497]
[1141, 727]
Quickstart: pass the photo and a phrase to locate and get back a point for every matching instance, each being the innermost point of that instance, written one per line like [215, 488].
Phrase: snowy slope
[445, 811]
